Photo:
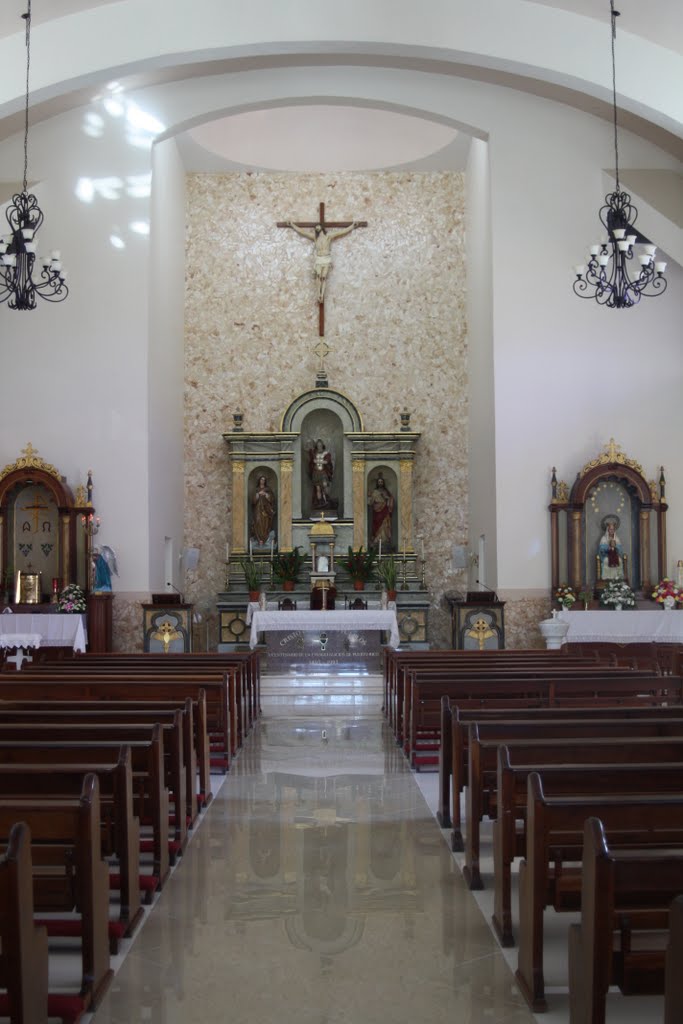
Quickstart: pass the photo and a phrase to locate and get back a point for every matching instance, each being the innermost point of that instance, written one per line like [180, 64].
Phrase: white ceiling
[660, 21]
[323, 138]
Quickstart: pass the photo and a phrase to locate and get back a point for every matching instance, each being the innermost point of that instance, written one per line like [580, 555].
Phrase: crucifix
[318, 232]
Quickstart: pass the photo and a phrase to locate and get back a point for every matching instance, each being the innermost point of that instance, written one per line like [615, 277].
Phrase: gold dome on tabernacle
[322, 528]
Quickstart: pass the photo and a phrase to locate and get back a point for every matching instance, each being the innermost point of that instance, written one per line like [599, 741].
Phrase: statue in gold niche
[321, 472]
[381, 501]
[263, 506]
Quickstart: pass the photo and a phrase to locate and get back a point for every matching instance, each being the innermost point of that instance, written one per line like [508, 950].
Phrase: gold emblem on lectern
[166, 632]
[481, 631]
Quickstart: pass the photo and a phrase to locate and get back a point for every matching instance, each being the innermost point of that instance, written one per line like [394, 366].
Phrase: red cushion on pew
[67, 928]
[148, 883]
[69, 1008]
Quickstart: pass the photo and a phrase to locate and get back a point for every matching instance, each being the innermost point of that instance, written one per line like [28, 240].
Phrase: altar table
[629, 626]
[58, 630]
[328, 622]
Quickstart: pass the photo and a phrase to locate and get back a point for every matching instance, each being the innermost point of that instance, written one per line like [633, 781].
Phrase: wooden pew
[65, 838]
[673, 984]
[120, 827]
[195, 729]
[563, 688]
[23, 944]
[461, 753]
[620, 891]
[150, 792]
[575, 776]
[94, 732]
[397, 663]
[227, 717]
[109, 686]
[247, 663]
[485, 738]
[101, 712]
[477, 671]
[455, 720]
[554, 843]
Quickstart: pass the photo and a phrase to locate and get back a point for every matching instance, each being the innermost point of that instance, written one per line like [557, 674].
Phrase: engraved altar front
[322, 466]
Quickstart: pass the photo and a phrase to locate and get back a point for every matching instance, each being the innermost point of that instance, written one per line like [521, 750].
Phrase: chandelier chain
[615, 15]
[27, 18]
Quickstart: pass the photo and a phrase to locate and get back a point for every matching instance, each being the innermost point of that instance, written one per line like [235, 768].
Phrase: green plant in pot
[252, 575]
[387, 571]
[360, 565]
[287, 566]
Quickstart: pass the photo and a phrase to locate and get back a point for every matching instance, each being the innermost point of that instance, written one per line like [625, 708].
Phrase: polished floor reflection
[318, 889]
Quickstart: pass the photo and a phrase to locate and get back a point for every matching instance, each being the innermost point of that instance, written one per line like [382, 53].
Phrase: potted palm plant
[252, 576]
[360, 565]
[287, 566]
[387, 571]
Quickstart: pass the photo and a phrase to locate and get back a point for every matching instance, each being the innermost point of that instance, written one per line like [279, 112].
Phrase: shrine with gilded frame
[610, 525]
[322, 463]
[46, 536]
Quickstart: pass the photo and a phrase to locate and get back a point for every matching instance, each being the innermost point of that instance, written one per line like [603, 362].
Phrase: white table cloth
[624, 627]
[58, 630]
[318, 621]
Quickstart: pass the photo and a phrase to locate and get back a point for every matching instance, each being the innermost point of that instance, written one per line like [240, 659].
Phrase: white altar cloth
[58, 630]
[336, 621]
[629, 626]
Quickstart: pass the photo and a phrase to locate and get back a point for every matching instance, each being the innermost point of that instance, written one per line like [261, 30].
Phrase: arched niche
[327, 415]
[611, 489]
[262, 506]
[389, 534]
[40, 524]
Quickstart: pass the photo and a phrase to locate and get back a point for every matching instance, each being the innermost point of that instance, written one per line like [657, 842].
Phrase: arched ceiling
[557, 49]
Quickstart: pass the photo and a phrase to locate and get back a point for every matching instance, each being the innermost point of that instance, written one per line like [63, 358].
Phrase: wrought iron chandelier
[18, 259]
[606, 276]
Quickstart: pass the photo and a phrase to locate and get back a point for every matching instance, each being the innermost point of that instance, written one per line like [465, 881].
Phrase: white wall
[567, 375]
[166, 364]
[482, 415]
[74, 375]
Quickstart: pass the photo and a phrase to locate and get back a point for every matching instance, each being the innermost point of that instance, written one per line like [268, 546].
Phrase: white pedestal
[553, 632]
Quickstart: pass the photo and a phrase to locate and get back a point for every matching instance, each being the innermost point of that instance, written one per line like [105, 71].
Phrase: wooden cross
[321, 269]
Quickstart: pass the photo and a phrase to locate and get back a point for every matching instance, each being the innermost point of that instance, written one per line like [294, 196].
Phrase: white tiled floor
[319, 889]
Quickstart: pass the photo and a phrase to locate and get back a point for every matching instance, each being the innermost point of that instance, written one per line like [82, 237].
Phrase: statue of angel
[104, 564]
[321, 472]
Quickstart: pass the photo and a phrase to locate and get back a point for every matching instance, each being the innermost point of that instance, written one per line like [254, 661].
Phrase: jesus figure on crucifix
[322, 240]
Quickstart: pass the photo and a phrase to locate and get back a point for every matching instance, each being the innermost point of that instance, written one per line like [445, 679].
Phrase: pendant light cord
[27, 18]
[615, 15]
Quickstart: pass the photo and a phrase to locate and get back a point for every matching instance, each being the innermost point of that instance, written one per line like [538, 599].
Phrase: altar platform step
[338, 691]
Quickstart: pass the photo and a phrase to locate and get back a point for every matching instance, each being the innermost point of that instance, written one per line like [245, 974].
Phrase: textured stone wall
[395, 322]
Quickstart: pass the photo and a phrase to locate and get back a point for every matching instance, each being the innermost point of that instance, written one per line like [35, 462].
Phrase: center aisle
[318, 889]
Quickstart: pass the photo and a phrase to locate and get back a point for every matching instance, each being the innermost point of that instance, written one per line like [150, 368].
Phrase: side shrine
[318, 508]
[610, 526]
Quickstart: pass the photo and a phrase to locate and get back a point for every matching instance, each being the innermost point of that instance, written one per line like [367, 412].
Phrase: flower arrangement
[565, 595]
[667, 593]
[360, 564]
[617, 592]
[71, 599]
